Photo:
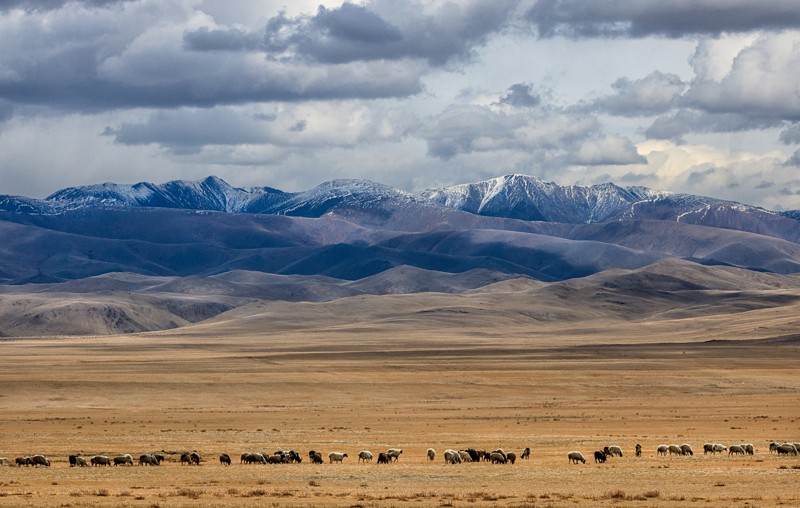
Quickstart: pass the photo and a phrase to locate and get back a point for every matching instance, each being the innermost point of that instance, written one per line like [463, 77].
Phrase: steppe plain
[616, 358]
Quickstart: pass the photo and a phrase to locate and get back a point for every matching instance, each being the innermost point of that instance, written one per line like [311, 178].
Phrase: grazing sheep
[365, 456]
[81, 462]
[225, 459]
[465, 456]
[149, 459]
[708, 448]
[614, 451]
[662, 449]
[72, 460]
[735, 450]
[40, 460]
[101, 460]
[675, 450]
[277, 459]
[394, 453]
[599, 457]
[474, 455]
[317, 458]
[337, 457]
[526, 453]
[383, 458]
[243, 457]
[687, 449]
[160, 458]
[254, 458]
[23, 461]
[773, 447]
[787, 449]
[719, 448]
[638, 450]
[511, 456]
[431, 454]
[123, 459]
[452, 457]
[186, 459]
[498, 458]
[196, 459]
[575, 457]
[749, 449]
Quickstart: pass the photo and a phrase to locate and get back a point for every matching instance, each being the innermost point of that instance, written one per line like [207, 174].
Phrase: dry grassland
[251, 383]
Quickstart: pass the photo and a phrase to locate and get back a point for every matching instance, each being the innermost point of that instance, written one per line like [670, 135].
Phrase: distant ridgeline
[512, 225]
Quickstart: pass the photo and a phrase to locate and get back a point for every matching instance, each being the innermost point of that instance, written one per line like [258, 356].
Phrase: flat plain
[503, 367]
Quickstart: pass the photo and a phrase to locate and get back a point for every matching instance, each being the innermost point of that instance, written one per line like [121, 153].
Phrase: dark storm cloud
[387, 30]
[684, 121]
[521, 96]
[666, 18]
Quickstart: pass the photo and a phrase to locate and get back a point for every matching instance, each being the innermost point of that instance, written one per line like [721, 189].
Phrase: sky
[699, 96]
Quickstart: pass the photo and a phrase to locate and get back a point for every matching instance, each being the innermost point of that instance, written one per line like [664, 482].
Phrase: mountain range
[149, 256]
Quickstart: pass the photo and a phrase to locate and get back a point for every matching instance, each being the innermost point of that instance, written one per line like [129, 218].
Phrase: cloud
[222, 39]
[49, 5]
[664, 18]
[655, 93]
[608, 150]
[314, 125]
[763, 81]
[438, 33]
[520, 96]
[674, 126]
[791, 135]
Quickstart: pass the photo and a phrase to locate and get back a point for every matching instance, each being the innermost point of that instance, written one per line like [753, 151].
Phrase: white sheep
[365, 456]
[452, 457]
[465, 456]
[614, 451]
[336, 457]
[719, 448]
[394, 453]
[575, 457]
[735, 450]
[431, 454]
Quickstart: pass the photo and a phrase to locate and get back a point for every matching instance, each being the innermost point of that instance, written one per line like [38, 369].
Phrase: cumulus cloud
[655, 93]
[608, 150]
[666, 18]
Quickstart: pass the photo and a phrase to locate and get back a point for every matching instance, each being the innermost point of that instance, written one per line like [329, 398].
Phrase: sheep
[23, 461]
[72, 460]
[452, 457]
[749, 449]
[365, 456]
[244, 457]
[431, 454]
[383, 458]
[526, 453]
[687, 449]
[662, 449]
[394, 453]
[101, 460]
[575, 457]
[160, 458]
[123, 459]
[498, 458]
[337, 457]
[40, 460]
[186, 459]
[316, 458]
[638, 450]
[225, 459]
[511, 456]
[254, 458]
[708, 448]
[675, 450]
[465, 456]
[3, 461]
[277, 459]
[735, 450]
[149, 459]
[599, 457]
[773, 447]
[614, 451]
[787, 449]
[81, 462]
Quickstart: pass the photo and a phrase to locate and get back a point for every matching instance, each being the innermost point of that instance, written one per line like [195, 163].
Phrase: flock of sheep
[497, 456]
[600, 456]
